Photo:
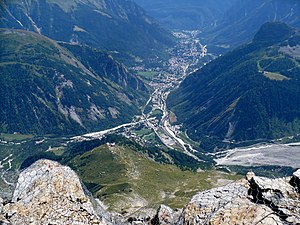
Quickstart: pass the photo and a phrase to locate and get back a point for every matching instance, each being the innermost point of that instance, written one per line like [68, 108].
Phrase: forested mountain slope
[115, 25]
[250, 93]
[45, 89]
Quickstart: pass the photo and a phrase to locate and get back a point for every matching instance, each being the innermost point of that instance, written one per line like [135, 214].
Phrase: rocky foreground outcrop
[254, 200]
[49, 193]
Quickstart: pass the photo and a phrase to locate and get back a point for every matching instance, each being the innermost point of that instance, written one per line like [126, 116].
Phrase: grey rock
[295, 181]
[250, 175]
[49, 193]
[3, 220]
[297, 174]
[204, 205]
[254, 200]
[279, 195]
[166, 216]
[141, 216]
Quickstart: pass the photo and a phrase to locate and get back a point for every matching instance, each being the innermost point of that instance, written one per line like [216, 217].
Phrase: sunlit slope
[126, 179]
[45, 89]
[251, 93]
[115, 25]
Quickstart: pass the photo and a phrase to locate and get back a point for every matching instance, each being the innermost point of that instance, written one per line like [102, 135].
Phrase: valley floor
[262, 155]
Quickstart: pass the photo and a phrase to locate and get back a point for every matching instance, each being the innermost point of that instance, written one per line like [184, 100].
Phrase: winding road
[184, 56]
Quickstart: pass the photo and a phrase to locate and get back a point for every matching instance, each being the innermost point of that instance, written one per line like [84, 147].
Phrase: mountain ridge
[47, 90]
[240, 22]
[186, 14]
[247, 94]
[114, 25]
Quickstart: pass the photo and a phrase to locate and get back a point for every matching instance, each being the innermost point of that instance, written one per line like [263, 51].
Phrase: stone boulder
[295, 181]
[226, 205]
[279, 195]
[254, 200]
[49, 193]
[165, 216]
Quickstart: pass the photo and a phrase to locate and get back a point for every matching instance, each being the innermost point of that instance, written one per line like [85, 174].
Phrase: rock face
[165, 215]
[226, 205]
[256, 200]
[281, 195]
[48, 193]
[295, 181]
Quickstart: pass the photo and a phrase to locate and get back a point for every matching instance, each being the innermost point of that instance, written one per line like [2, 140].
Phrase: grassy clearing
[275, 76]
[143, 132]
[120, 176]
[15, 137]
[184, 137]
[147, 74]
[173, 118]
[150, 137]
[157, 113]
[58, 151]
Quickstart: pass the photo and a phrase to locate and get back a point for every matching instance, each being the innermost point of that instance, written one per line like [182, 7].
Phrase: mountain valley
[230, 100]
[150, 112]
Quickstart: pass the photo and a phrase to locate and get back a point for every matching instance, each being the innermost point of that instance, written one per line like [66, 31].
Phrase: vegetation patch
[115, 173]
[147, 74]
[275, 76]
[15, 137]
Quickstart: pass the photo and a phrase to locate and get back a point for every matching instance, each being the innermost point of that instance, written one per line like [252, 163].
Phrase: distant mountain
[187, 14]
[244, 18]
[115, 25]
[47, 89]
[250, 93]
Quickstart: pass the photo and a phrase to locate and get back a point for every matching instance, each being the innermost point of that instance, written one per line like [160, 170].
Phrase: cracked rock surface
[281, 195]
[255, 200]
[49, 193]
[165, 215]
[226, 205]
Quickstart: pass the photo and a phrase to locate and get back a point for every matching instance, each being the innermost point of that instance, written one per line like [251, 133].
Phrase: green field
[147, 74]
[143, 132]
[15, 137]
[275, 76]
[119, 176]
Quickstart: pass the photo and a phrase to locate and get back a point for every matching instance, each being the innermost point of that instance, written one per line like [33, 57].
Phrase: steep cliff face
[49, 193]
